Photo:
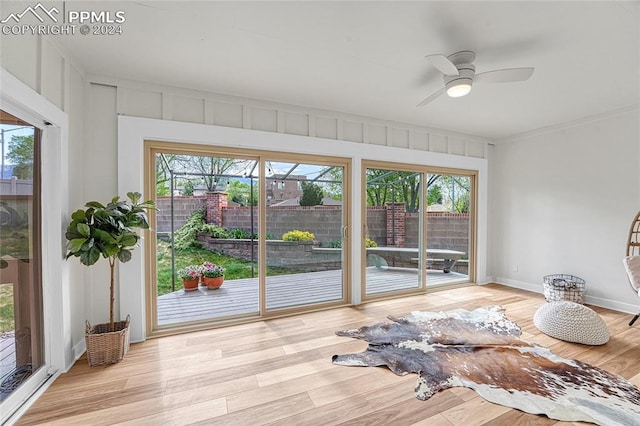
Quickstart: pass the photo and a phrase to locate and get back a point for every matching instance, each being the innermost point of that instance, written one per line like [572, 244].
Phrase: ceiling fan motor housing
[465, 76]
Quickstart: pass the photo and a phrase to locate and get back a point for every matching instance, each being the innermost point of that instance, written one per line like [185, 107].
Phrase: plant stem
[112, 263]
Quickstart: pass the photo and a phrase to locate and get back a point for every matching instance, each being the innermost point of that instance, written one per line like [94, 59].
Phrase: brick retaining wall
[183, 206]
[445, 230]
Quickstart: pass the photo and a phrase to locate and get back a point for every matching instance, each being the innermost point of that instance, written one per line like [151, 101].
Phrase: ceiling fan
[459, 74]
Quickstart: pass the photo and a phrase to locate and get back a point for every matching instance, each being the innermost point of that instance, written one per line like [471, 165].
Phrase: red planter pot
[213, 283]
[190, 285]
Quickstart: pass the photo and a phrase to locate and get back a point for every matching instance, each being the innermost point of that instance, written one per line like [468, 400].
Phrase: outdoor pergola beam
[381, 176]
[286, 175]
[324, 172]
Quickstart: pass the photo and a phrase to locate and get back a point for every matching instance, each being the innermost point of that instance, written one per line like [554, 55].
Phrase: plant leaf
[104, 236]
[111, 250]
[90, 257]
[129, 239]
[95, 204]
[79, 215]
[83, 229]
[75, 245]
[134, 196]
[124, 255]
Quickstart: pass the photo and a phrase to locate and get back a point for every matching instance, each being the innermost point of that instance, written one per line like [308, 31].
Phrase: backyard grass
[6, 308]
[14, 242]
[235, 268]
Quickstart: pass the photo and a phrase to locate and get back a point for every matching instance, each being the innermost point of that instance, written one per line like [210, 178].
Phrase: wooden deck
[240, 297]
[7, 353]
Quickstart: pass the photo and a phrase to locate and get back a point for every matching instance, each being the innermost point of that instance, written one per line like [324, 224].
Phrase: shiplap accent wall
[140, 99]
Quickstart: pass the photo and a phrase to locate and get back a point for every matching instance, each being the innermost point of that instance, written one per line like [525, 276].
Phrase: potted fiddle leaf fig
[107, 231]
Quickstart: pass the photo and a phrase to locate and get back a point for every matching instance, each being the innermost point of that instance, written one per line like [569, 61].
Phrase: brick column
[396, 224]
[216, 201]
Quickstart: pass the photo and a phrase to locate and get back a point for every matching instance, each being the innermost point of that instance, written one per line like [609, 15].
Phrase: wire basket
[563, 287]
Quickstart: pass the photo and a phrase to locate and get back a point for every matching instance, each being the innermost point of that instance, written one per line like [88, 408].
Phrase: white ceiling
[367, 58]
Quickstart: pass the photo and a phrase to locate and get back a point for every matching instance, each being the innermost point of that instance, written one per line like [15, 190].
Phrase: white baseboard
[591, 300]
[78, 350]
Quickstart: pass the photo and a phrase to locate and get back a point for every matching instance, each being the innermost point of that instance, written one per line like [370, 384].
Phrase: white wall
[43, 68]
[562, 201]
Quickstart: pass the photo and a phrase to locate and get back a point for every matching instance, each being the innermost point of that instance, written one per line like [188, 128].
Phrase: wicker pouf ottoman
[571, 322]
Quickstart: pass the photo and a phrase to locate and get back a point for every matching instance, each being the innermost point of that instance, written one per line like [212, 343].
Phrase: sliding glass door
[449, 224]
[21, 305]
[393, 230]
[419, 229]
[206, 227]
[269, 230]
[305, 230]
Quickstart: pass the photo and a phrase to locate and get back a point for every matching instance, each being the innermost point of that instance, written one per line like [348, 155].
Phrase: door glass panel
[448, 228]
[207, 218]
[304, 230]
[392, 231]
[21, 326]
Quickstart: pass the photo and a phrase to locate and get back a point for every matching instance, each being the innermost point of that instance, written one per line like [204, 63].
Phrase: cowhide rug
[482, 350]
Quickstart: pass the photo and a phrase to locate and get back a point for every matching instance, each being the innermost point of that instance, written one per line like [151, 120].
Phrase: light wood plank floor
[280, 372]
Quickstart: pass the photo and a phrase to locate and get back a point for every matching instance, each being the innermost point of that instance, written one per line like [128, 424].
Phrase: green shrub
[187, 235]
[370, 243]
[215, 231]
[296, 235]
[239, 234]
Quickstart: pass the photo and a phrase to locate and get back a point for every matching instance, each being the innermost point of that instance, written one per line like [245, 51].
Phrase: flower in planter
[296, 235]
[191, 272]
[211, 270]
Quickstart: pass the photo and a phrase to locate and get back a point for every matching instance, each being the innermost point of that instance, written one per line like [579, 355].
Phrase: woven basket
[559, 287]
[105, 347]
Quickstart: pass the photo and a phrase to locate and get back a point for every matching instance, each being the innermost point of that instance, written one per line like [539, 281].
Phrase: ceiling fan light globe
[458, 90]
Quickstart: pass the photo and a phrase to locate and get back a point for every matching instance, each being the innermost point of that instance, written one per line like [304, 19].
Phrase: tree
[240, 192]
[20, 154]
[386, 186]
[188, 187]
[434, 195]
[164, 163]
[462, 203]
[312, 194]
[334, 188]
[162, 190]
[211, 169]
[456, 193]
[410, 190]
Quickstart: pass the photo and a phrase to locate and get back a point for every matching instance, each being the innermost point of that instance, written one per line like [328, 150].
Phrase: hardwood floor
[280, 372]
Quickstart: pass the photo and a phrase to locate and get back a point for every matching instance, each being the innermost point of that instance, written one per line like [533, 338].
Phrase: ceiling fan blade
[443, 64]
[504, 76]
[432, 97]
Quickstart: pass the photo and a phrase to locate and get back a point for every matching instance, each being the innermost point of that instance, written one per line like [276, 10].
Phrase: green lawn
[6, 308]
[235, 268]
